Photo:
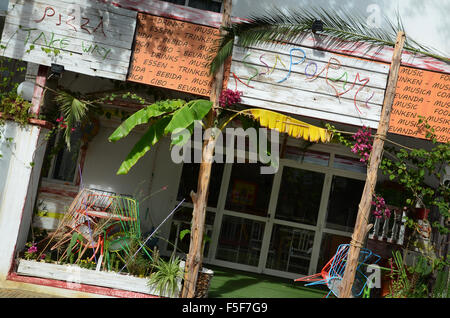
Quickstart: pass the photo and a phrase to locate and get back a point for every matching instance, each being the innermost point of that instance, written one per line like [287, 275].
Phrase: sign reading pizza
[88, 37]
[173, 54]
[421, 93]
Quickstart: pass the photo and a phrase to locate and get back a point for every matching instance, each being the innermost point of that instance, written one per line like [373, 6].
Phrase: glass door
[292, 230]
[245, 212]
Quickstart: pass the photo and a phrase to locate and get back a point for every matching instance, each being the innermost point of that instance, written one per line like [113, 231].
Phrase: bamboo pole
[362, 225]
[194, 259]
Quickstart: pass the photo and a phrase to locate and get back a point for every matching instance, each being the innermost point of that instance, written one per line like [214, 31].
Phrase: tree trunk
[194, 259]
[362, 226]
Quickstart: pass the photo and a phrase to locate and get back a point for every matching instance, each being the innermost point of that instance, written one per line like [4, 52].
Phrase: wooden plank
[268, 62]
[69, 62]
[25, 38]
[173, 54]
[312, 100]
[376, 53]
[75, 274]
[87, 17]
[311, 112]
[421, 93]
[113, 30]
[322, 84]
[309, 55]
[170, 10]
[350, 89]
[95, 39]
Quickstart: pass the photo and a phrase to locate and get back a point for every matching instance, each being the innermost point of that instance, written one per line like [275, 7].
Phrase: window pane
[180, 2]
[299, 196]
[182, 221]
[240, 240]
[205, 5]
[290, 249]
[189, 181]
[66, 161]
[343, 203]
[249, 191]
[314, 157]
[328, 248]
[350, 164]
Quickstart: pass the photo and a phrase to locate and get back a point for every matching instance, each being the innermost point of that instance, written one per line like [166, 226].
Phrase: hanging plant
[381, 208]
[363, 144]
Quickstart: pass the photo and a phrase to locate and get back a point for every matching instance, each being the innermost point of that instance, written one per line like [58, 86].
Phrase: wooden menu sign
[173, 54]
[421, 93]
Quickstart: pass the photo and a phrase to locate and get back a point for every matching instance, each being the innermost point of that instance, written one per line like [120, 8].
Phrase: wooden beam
[362, 225]
[38, 93]
[194, 259]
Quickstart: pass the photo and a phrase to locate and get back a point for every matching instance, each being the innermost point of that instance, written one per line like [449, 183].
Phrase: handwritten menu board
[173, 54]
[421, 93]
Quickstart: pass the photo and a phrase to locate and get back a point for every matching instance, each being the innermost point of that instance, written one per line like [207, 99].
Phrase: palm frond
[276, 26]
[74, 111]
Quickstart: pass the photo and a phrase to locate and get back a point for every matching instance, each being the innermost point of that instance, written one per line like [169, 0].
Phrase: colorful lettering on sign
[312, 72]
[69, 20]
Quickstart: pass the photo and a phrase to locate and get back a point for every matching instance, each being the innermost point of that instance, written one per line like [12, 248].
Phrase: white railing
[390, 229]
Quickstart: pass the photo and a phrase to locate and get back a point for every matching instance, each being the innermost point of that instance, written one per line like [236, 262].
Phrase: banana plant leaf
[149, 139]
[144, 115]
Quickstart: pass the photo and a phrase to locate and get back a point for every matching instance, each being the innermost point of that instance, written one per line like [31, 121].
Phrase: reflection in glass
[328, 248]
[182, 221]
[189, 180]
[299, 196]
[240, 240]
[290, 249]
[350, 164]
[303, 156]
[343, 203]
[66, 161]
[249, 191]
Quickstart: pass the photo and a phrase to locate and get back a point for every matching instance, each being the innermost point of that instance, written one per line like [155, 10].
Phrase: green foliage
[414, 281]
[143, 116]
[74, 111]
[16, 108]
[165, 278]
[170, 116]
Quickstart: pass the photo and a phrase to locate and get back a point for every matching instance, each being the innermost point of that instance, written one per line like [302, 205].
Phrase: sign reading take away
[173, 54]
[421, 93]
[88, 37]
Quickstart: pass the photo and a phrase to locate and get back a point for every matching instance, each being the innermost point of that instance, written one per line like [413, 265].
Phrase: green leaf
[143, 116]
[181, 119]
[185, 116]
[149, 139]
[200, 108]
[184, 233]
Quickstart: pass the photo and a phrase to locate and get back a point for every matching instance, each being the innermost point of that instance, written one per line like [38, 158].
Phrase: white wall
[20, 184]
[103, 159]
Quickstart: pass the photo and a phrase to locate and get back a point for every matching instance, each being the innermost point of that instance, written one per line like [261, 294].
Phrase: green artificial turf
[228, 283]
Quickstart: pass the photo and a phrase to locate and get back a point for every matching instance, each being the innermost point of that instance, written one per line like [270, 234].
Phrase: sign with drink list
[421, 93]
[173, 54]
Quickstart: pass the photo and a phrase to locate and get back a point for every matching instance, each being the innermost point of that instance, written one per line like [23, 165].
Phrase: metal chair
[332, 273]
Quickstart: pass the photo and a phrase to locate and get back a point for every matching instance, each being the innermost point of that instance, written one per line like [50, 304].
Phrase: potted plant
[166, 279]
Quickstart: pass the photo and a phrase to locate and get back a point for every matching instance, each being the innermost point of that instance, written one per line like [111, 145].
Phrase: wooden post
[194, 259]
[38, 93]
[362, 220]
